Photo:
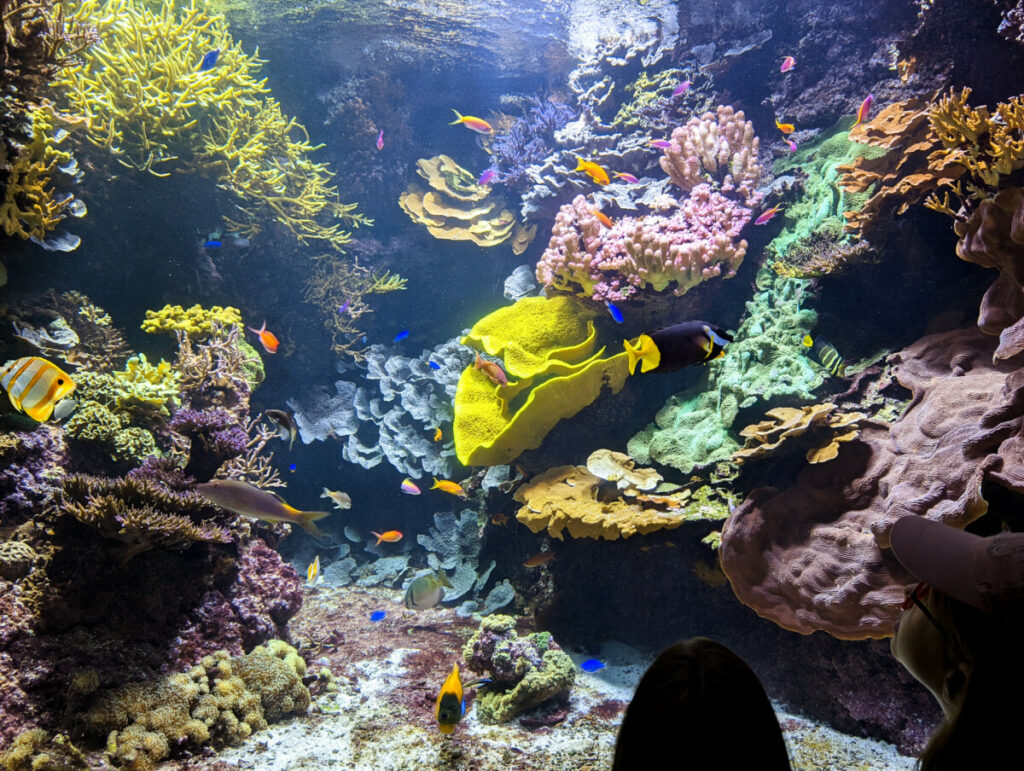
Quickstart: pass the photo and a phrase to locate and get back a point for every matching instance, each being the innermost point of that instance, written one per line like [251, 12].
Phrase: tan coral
[618, 467]
[766, 437]
[456, 208]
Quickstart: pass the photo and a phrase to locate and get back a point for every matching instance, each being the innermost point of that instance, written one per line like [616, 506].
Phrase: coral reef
[818, 424]
[525, 671]
[527, 141]
[197, 322]
[214, 438]
[993, 237]
[694, 243]
[219, 701]
[36, 750]
[548, 346]
[962, 429]
[455, 207]
[31, 466]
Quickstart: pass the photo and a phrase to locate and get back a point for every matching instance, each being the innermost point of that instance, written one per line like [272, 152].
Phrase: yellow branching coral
[30, 207]
[196, 321]
[456, 208]
[155, 109]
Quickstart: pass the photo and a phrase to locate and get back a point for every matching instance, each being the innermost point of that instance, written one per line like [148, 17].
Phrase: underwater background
[417, 268]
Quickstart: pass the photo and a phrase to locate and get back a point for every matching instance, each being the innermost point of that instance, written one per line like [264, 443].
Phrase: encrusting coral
[197, 321]
[154, 109]
[525, 671]
[555, 369]
[220, 701]
[455, 207]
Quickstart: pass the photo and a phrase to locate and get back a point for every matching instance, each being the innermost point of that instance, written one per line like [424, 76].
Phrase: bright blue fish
[592, 665]
[291, 468]
[401, 335]
[210, 60]
[211, 244]
[378, 615]
[616, 313]
[434, 365]
[344, 307]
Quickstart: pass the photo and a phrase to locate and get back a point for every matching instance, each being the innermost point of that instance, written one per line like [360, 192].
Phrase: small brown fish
[285, 425]
[242, 498]
[501, 520]
[539, 559]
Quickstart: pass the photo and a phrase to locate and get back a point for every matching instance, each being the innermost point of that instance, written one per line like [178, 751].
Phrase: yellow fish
[34, 386]
[827, 354]
[242, 498]
[451, 701]
[479, 125]
[437, 434]
[447, 486]
[313, 570]
[592, 170]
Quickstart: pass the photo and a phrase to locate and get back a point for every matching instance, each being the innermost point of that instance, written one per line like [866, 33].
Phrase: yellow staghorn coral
[196, 321]
[456, 208]
[30, 208]
[154, 109]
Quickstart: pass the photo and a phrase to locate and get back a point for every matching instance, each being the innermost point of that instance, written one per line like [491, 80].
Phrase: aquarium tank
[386, 384]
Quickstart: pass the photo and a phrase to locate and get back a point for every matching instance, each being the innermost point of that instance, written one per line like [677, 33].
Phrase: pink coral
[718, 146]
[695, 243]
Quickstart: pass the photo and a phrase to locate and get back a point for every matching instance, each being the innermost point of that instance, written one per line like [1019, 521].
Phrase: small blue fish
[291, 468]
[378, 615]
[592, 665]
[210, 60]
[616, 313]
[344, 307]
[211, 244]
[401, 335]
[434, 365]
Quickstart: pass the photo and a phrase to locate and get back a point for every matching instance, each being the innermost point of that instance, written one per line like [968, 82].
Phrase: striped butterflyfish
[827, 354]
[34, 386]
[680, 345]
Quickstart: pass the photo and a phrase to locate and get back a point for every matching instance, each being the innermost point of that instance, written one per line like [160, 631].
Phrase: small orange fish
[491, 369]
[437, 434]
[447, 486]
[267, 339]
[603, 218]
[389, 536]
[500, 520]
[539, 559]
[593, 170]
[785, 128]
[479, 125]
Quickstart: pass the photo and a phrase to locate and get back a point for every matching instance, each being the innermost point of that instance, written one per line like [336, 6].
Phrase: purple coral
[28, 465]
[529, 140]
[214, 436]
[694, 243]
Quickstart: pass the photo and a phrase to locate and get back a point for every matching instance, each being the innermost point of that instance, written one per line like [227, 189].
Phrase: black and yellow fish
[34, 386]
[680, 345]
[827, 354]
[451, 701]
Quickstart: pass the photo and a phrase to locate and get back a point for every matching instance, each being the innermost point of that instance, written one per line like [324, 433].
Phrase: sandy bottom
[387, 675]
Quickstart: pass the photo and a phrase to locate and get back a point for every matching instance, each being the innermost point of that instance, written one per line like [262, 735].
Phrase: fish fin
[313, 516]
[308, 526]
[458, 117]
[633, 354]
[442, 579]
[650, 356]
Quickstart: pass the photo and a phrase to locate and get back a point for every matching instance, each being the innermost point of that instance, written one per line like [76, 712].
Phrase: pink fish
[380, 140]
[661, 144]
[864, 110]
[682, 88]
[787, 64]
[792, 145]
[626, 177]
[765, 216]
[487, 177]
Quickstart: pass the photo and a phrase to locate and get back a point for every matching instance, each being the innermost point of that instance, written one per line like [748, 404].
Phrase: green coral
[36, 750]
[139, 392]
[766, 362]
[813, 240]
[220, 701]
[650, 98]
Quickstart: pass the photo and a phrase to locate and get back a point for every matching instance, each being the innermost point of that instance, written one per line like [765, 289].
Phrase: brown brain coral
[815, 556]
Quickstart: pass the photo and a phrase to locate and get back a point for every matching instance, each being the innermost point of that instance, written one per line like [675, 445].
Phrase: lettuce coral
[548, 347]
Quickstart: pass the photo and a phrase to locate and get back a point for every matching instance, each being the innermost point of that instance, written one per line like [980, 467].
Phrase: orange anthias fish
[603, 218]
[447, 486]
[785, 128]
[491, 369]
[767, 215]
[437, 434]
[864, 110]
[267, 339]
[539, 559]
[388, 536]
[479, 125]
[592, 170]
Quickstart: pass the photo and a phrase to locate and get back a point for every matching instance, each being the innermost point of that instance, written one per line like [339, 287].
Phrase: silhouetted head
[700, 706]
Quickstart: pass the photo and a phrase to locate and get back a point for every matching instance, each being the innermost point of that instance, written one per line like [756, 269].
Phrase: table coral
[525, 671]
[816, 424]
[694, 243]
[456, 208]
[993, 237]
[548, 347]
[814, 556]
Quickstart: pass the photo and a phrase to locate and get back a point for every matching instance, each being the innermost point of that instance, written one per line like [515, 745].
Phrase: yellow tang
[34, 386]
